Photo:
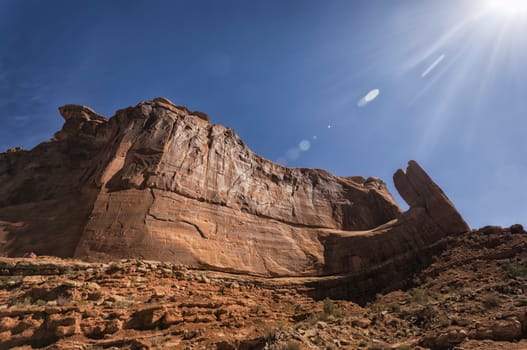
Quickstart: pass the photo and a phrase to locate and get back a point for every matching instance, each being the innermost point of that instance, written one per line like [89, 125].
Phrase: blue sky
[354, 87]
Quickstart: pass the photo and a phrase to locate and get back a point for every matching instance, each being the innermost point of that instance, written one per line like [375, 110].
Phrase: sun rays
[508, 8]
[485, 44]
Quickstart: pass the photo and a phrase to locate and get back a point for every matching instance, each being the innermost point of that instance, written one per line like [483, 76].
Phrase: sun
[508, 8]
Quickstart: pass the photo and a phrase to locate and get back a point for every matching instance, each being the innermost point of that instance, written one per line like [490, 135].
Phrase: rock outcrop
[160, 182]
[381, 259]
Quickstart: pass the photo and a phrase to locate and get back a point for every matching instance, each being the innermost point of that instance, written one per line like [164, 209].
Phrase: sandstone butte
[159, 182]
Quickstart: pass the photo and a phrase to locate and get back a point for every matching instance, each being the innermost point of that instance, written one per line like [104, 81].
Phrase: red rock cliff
[157, 181]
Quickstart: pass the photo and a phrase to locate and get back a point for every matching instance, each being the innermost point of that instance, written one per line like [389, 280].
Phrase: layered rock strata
[160, 182]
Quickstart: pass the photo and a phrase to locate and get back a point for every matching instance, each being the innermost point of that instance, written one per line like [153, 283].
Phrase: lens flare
[370, 96]
[304, 145]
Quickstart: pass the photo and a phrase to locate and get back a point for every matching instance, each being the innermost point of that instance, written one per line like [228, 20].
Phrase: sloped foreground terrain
[473, 296]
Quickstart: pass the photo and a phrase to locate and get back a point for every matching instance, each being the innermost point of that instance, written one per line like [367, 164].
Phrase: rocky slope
[157, 181]
[473, 296]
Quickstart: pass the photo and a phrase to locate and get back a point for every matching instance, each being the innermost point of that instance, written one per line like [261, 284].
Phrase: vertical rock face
[45, 199]
[419, 191]
[383, 258]
[157, 181]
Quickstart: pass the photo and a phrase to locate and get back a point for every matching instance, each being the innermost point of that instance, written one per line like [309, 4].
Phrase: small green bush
[419, 296]
[330, 309]
[23, 303]
[515, 271]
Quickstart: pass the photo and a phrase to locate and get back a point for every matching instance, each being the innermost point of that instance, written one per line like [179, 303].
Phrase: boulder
[444, 339]
[517, 228]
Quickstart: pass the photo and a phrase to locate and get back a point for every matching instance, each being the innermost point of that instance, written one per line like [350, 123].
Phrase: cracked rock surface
[157, 181]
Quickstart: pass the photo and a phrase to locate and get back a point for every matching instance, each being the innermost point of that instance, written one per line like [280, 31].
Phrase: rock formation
[160, 182]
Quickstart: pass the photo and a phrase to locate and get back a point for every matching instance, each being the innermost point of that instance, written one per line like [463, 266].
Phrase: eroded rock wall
[157, 181]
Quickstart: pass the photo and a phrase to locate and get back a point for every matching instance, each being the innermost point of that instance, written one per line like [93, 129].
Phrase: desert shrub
[123, 304]
[404, 347]
[63, 300]
[491, 300]
[155, 340]
[515, 271]
[418, 296]
[444, 322]
[270, 334]
[329, 306]
[395, 308]
[291, 345]
[421, 315]
[312, 319]
[22, 303]
[288, 306]
[330, 309]
[255, 309]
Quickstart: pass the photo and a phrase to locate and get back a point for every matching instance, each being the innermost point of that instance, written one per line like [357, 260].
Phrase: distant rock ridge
[157, 181]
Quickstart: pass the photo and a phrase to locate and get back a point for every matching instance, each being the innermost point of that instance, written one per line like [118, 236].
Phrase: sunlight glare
[508, 8]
